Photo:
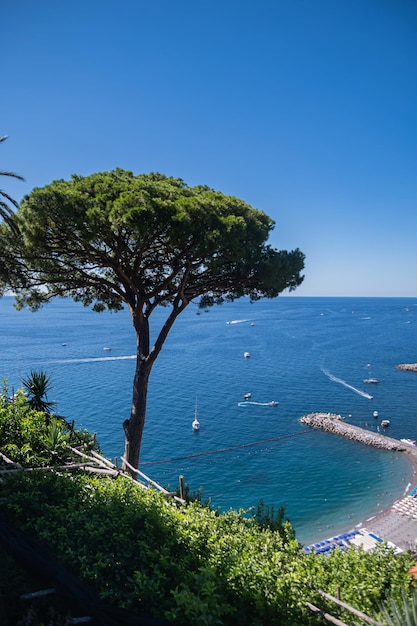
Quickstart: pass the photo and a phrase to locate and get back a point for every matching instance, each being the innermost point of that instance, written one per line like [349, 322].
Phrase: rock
[408, 367]
[333, 423]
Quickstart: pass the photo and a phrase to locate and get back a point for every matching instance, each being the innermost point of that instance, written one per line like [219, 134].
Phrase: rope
[243, 445]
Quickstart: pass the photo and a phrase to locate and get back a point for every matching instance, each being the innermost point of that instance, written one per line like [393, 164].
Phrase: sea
[307, 354]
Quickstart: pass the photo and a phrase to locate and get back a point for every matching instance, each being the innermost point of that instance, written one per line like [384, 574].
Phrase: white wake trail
[93, 359]
[345, 384]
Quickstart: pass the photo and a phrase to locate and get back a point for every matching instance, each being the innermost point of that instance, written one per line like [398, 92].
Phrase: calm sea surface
[308, 354]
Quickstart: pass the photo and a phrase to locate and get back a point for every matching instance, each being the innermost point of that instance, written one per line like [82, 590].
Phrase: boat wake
[93, 359]
[249, 402]
[345, 384]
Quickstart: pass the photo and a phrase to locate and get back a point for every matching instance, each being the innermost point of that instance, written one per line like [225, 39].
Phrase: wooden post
[339, 610]
[125, 456]
[116, 462]
[72, 425]
[182, 487]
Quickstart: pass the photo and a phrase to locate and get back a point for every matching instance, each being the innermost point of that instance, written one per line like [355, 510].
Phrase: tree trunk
[134, 426]
[145, 358]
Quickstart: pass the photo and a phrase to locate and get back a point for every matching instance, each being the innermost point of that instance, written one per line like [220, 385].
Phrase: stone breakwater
[408, 367]
[332, 423]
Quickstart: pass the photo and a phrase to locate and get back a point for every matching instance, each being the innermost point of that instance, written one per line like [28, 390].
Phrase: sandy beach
[398, 523]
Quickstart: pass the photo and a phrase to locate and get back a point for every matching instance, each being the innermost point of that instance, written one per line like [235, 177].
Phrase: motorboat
[107, 348]
[273, 403]
[385, 423]
[246, 355]
[195, 424]
[410, 442]
[247, 396]
[375, 414]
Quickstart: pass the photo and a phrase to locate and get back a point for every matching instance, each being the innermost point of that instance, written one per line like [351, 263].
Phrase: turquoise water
[308, 354]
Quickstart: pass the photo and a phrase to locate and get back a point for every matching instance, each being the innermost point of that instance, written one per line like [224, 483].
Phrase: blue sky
[306, 109]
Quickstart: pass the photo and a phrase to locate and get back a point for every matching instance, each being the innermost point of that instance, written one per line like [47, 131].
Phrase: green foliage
[33, 438]
[401, 612]
[191, 565]
[37, 385]
[6, 211]
[265, 517]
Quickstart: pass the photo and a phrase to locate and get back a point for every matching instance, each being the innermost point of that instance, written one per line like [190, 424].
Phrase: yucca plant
[401, 612]
[37, 385]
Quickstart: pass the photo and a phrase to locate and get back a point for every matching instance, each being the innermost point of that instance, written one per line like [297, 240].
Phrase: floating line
[243, 445]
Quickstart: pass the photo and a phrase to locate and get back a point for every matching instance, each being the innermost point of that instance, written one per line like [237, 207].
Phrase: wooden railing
[341, 605]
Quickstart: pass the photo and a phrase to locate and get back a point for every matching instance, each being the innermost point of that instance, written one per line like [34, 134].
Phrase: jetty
[407, 367]
[332, 423]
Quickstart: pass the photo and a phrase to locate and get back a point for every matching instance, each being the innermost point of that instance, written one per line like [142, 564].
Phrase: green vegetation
[402, 612]
[114, 240]
[37, 386]
[188, 564]
[6, 211]
[34, 438]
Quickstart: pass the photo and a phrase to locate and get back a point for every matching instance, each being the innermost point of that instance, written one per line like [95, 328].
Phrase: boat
[273, 403]
[385, 423]
[195, 424]
[370, 380]
[375, 414]
[107, 348]
[410, 442]
[247, 396]
[246, 355]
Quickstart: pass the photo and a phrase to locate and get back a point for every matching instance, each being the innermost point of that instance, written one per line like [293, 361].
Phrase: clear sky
[306, 109]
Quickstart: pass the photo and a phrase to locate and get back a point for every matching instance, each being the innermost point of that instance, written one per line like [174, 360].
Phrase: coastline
[397, 523]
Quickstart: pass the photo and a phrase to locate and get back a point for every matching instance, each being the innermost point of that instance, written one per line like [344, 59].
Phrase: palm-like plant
[6, 212]
[401, 613]
[37, 385]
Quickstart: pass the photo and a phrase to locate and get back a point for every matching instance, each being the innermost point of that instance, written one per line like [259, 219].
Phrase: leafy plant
[401, 612]
[34, 438]
[190, 564]
[37, 385]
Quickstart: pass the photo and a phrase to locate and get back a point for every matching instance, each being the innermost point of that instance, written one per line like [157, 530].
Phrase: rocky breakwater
[332, 423]
[407, 367]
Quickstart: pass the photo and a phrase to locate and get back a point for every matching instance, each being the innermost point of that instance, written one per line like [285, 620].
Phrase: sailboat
[196, 423]
[370, 379]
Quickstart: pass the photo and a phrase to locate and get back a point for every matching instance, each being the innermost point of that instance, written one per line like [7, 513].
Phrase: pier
[332, 423]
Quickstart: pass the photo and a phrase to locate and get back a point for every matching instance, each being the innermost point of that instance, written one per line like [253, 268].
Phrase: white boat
[195, 424]
[410, 442]
[247, 396]
[273, 403]
[107, 348]
[375, 413]
[370, 380]
[385, 423]
[246, 355]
